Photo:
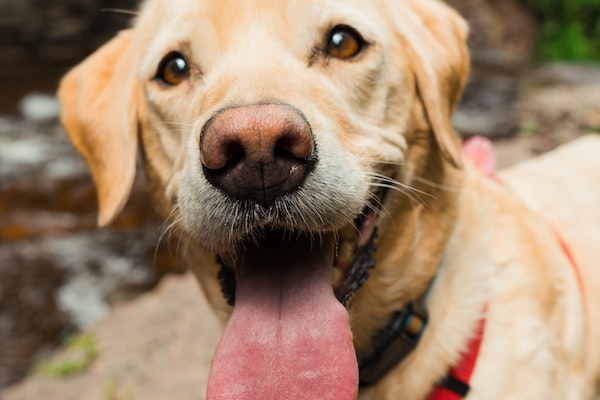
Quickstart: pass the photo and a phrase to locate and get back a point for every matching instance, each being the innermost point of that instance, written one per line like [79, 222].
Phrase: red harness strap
[456, 384]
[567, 250]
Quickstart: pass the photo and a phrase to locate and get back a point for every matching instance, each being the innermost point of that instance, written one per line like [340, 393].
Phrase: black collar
[399, 338]
[392, 344]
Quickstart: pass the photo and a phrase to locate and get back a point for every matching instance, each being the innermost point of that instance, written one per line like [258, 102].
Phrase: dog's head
[271, 133]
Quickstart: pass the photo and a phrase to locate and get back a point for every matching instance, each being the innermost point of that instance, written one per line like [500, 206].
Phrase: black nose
[257, 152]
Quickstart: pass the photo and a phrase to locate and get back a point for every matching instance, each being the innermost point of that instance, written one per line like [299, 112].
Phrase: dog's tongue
[288, 337]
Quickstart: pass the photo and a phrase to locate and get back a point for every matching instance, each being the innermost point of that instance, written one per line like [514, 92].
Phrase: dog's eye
[173, 69]
[344, 42]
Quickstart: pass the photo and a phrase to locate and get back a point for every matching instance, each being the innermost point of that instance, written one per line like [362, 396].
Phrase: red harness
[456, 385]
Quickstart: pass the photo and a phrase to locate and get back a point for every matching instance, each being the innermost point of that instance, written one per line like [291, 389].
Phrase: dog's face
[272, 131]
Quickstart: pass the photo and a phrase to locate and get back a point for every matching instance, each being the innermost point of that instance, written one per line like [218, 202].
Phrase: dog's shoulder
[563, 184]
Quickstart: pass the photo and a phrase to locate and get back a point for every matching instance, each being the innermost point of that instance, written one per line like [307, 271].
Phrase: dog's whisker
[378, 208]
[411, 188]
[416, 178]
[414, 195]
[169, 228]
[378, 179]
[179, 250]
[164, 235]
[382, 162]
[436, 185]
[120, 11]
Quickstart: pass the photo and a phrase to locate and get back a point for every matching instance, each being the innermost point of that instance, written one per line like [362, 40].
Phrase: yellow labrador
[304, 152]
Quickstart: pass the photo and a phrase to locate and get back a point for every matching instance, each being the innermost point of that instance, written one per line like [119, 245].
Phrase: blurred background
[535, 84]
[58, 273]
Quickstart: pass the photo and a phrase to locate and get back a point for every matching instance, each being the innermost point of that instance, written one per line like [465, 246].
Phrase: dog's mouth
[289, 333]
[353, 255]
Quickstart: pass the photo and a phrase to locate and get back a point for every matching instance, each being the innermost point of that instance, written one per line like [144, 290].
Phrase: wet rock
[58, 272]
[565, 74]
[42, 182]
[560, 102]
[30, 320]
[39, 107]
[487, 105]
[51, 287]
[501, 33]
[41, 40]
[501, 39]
[66, 25]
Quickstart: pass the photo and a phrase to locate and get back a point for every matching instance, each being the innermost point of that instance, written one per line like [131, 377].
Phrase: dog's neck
[440, 245]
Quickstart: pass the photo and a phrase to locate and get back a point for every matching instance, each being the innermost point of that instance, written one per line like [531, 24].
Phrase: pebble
[39, 107]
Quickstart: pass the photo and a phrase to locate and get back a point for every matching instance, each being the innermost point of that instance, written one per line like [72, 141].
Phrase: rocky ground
[155, 348]
[59, 275]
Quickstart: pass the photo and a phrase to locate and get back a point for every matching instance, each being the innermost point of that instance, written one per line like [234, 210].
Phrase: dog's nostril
[293, 145]
[257, 152]
[234, 154]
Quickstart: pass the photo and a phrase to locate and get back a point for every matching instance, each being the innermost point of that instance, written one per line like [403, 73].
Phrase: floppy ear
[434, 36]
[98, 110]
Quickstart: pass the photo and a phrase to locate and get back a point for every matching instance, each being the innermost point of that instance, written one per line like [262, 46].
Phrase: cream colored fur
[491, 247]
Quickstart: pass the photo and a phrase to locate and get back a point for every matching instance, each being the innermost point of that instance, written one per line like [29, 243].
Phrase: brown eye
[344, 42]
[173, 69]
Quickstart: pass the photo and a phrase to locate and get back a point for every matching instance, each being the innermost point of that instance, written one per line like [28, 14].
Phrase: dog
[303, 151]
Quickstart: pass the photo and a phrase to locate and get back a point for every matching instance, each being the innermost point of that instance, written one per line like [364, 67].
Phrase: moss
[80, 352]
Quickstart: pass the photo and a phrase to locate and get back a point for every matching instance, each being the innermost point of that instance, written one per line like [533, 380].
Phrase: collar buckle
[394, 343]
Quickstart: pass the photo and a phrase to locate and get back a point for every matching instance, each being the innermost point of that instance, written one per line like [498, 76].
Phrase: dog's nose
[257, 152]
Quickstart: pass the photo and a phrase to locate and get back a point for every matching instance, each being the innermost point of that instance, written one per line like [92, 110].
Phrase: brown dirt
[156, 348]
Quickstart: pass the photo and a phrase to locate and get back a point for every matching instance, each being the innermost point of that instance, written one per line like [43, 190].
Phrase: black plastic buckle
[393, 343]
[455, 385]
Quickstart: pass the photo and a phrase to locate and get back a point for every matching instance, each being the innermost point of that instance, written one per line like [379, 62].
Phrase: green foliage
[79, 354]
[569, 30]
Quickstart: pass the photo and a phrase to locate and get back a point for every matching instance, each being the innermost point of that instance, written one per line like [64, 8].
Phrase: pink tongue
[288, 337]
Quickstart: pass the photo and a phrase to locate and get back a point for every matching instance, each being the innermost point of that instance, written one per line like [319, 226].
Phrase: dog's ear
[98, 110]
[434, 37]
